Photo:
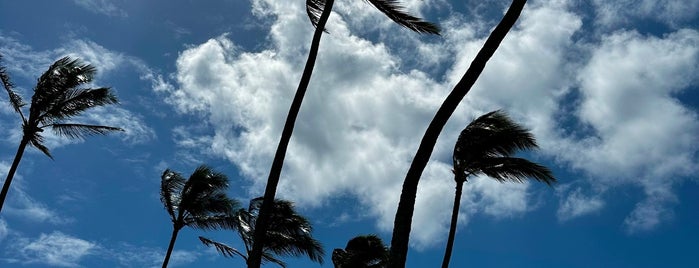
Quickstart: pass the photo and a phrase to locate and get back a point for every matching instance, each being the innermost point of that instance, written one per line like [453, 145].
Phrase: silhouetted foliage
[289, 234]
[58, 96]
[486, 147]
[365, 251]
[199, 202]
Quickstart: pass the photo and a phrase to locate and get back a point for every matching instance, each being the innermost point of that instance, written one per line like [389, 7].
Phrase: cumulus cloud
[55, 249]
[670, 12]
[367, 108]
[104, 7]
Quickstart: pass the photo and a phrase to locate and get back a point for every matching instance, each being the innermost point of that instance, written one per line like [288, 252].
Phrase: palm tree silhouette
[406, 205]
[58, 96]
[289, 234]
[318, 12]
[485, 147]
[199, 202]
[364, 251]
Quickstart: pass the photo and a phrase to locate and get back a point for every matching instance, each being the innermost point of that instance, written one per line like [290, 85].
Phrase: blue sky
[609, 88]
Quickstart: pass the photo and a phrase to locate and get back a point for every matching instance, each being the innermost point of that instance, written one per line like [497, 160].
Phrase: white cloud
[4, 231]
[575, 204]
[55, 249]
[620, 12]
[104, 7]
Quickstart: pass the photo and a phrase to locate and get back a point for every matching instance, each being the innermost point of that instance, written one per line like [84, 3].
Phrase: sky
[609, 89]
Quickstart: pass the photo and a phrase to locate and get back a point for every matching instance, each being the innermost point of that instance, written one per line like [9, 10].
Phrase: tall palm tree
[199, 202]
[289, 234]
[486, 147]
[58, 96]
[404, 214]
[318, 12]
[364, 251]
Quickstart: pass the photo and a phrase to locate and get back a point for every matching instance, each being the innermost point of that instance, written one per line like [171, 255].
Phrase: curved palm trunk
[171, 246]
[262, 223]
[404, 214]
[13, 169]
[452, 226]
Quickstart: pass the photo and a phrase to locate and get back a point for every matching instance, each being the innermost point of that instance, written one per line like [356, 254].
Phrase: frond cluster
[289, 234]
[486, 146]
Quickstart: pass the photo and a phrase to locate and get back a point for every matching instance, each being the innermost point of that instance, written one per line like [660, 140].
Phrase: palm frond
[515, 169]
[314, 8]
[395, 12]
[211, 222]
[75, 101]
[15, 99]
[36, 140]
[267, 257]
[224, 249]
[80, 131]
[62, 75]
[171, 184]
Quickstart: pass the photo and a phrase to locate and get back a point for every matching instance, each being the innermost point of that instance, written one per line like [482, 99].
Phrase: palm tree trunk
[406, 205]
[171, 246]
[13, 169]
[262, 223]
[452, 226]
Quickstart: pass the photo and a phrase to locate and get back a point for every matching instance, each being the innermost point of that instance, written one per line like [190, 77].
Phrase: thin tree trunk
[404, 214]
[262, 223]
[13, 169]
[454, 220]
[175, 230]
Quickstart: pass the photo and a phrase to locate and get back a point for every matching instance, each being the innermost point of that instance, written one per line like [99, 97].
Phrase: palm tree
[58, 96]
[404, 214]
[485, 147]
[288, 235]
[365, 251]
[318, 12]
[198, 202]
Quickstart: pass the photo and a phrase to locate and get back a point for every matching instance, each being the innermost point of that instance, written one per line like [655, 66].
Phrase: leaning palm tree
[406, 205]
[198, 202]
[486, 147]
[289, 234]
[318, 12]
[58, 96]
[364, 251]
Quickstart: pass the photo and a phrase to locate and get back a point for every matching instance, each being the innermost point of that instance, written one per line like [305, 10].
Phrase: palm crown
[364, 251]
[289, 234]
[486, 147]
[59, 95]
[198, 202]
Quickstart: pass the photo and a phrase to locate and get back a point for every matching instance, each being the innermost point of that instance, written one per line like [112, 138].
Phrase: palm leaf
[62, 75]
[80, 131]
[171, 184]
[75, 101]
[224, 249]
[394, 11]
[314, 8]
[515, 170]
[15, 99]
[36, 140]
